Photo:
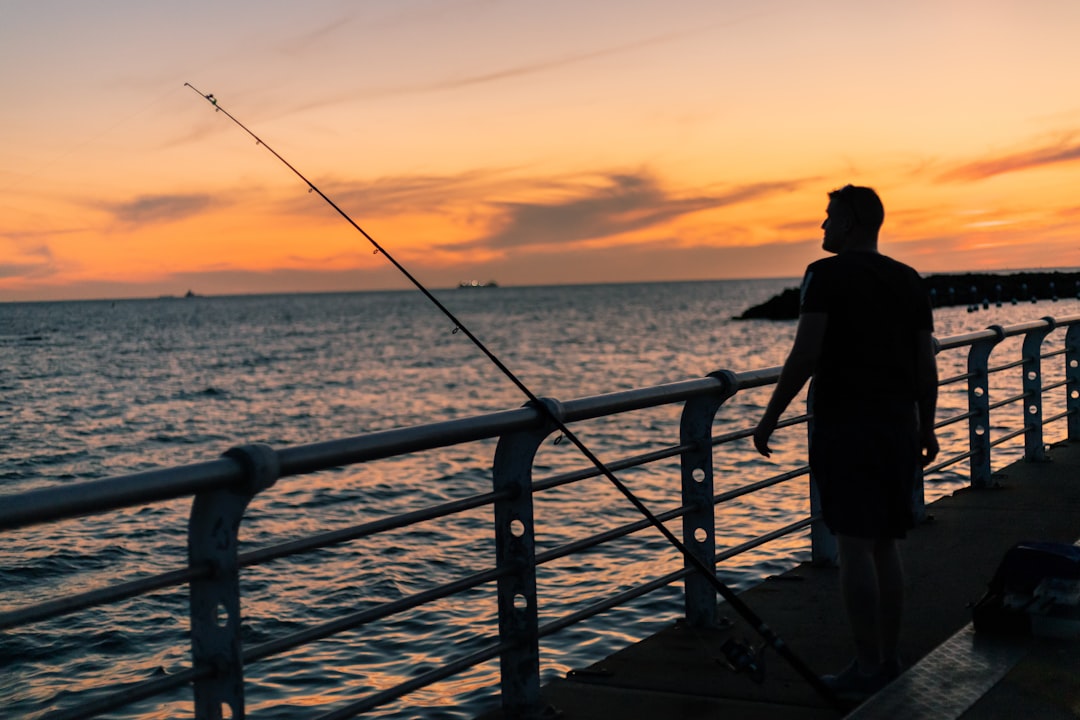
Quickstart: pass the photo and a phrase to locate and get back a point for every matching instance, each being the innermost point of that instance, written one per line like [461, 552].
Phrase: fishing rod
[771, 638]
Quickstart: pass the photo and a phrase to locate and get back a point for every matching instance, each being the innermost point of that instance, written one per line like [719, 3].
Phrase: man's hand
[762, 433]
[929, 446]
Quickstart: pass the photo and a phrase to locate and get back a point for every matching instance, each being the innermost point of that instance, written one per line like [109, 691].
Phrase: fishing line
[774, 641]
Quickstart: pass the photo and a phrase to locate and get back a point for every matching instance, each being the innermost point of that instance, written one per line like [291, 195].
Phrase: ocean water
[97, 389]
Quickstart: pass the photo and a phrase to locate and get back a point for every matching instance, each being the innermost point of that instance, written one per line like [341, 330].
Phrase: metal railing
[222, 488]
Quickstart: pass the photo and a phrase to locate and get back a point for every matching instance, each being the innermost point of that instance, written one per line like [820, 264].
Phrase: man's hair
[863, 203]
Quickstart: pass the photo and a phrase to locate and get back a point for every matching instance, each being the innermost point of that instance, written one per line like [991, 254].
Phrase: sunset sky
[527, 142]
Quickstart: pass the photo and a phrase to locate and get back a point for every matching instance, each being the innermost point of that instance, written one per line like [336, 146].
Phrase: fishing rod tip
[208, 96]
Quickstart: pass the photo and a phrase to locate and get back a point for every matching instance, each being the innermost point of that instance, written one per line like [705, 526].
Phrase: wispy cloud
[29, 241]
[316, 38]
[379, 19]
[1059, 152]
[406, 194]
[807, 226]
[154, 209]
[467, 80]
[533, 68]
[624, 203]
[511, 72]
[34, 262]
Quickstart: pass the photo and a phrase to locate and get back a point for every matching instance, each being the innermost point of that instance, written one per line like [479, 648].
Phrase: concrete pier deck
[953, 673]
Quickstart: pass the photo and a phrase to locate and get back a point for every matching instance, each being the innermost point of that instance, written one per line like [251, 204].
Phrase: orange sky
[531, 143]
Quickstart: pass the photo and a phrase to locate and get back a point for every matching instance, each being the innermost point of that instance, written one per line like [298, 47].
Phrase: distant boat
[190, 294]
[477, 284]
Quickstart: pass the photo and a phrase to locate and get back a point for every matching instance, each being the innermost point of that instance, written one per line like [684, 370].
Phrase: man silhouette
[864, 335]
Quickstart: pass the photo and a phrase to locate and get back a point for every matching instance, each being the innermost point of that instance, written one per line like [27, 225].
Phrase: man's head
[853, 219]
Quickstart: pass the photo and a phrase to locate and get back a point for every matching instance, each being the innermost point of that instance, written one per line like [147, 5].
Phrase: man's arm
[927, 379]
[797, 369]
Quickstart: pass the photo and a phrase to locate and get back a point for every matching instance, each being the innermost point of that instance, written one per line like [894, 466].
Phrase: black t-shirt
[876, 308]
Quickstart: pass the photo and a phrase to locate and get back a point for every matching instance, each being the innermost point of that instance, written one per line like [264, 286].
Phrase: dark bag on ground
[1032, 578]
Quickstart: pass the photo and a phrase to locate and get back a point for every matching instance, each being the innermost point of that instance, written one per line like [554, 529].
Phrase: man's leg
[860, 589]
[890, 580]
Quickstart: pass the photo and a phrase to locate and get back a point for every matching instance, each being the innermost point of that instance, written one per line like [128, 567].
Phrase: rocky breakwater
[974, 290]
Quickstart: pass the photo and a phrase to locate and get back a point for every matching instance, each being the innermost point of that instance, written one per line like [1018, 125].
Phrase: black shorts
[866, 468]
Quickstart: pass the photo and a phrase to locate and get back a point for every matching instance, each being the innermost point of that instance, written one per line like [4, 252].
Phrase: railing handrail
[91, 496]
[84, 498]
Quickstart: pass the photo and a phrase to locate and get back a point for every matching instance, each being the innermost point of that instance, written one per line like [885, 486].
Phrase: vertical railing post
[1034, 450]
[213, 539]
[515, 555]
[979, 407]
[1072, 379]
[699, 523]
